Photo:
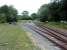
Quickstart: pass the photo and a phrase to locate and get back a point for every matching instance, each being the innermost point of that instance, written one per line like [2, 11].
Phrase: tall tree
[34, 16]
[5, 11]
[8, 12]
[25, 15]
[13, 13]
[43, 12]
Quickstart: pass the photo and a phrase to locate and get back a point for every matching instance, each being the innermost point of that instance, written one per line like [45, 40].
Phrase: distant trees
[34, 16]
[8, 14]
[54, 11]
[25, 15]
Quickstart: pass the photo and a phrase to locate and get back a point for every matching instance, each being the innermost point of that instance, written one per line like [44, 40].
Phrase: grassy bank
[56, 25]
[14, 38]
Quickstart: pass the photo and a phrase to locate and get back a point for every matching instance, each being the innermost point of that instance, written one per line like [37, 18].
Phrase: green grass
[56, 25]
[24, 21]
[14, 38]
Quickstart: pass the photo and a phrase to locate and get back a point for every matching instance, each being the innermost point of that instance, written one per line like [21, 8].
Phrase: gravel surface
[40, 41]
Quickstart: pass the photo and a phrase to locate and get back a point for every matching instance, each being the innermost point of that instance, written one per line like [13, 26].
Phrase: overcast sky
[21, 5]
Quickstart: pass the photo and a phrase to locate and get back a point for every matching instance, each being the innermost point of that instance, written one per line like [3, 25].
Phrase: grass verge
[56, 25]
[12, 37]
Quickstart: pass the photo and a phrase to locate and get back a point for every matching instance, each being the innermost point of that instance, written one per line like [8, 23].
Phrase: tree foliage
[34, 16]
[43, 12]
[25, 15]
[7, 13]
[54, 11]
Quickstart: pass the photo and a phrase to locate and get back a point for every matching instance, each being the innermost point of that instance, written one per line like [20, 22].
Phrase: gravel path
[40, 41]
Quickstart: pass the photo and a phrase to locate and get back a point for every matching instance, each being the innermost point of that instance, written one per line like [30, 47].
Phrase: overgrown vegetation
[8, 14]
[55, 11]
[56, 25]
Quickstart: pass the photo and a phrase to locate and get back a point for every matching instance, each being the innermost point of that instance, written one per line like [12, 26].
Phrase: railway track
[58, 35]
[55, 37]
[55, 30]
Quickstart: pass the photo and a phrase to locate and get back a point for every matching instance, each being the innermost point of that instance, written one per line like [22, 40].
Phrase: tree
[54, 11]
[63, 12]
[8, 13]
[2, 18]
[34, 16]
[25, 15]
[43, 13]
[58, 10]
[4, 11]
[13, 13]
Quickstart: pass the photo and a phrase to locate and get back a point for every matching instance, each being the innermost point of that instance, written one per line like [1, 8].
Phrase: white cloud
[21, 5]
